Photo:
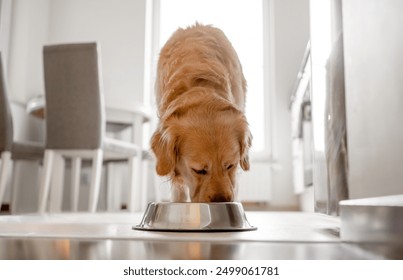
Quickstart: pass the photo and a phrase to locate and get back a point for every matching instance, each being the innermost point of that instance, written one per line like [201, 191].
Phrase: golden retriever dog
[202, 135]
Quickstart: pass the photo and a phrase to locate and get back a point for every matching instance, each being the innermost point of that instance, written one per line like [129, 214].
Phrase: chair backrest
[6, 121]
[74, 97]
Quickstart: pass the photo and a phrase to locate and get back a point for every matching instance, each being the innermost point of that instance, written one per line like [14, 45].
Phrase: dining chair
[75, 122]
[12, 150]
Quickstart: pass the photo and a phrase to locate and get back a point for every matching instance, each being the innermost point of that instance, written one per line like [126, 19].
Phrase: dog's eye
[230, 166]
[200, 172]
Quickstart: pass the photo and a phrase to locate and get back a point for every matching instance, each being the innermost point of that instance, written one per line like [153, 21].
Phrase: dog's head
[201, 146]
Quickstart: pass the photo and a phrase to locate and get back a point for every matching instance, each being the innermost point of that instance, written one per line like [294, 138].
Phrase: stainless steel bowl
[221, 216]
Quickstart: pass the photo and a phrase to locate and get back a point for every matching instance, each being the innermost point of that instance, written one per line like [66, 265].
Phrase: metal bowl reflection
[220, 216]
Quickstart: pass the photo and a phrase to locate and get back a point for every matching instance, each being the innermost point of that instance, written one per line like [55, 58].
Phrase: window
[242, 22]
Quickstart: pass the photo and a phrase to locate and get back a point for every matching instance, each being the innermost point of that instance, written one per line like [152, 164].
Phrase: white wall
[29, 25]
[291, 35]
[119, 26]
[5, 22]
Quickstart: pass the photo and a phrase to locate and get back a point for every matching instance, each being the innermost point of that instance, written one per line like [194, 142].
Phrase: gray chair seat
[27, 150]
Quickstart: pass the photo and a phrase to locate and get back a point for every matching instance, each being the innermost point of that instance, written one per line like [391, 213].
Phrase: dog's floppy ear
[245, 144]
[164, 146]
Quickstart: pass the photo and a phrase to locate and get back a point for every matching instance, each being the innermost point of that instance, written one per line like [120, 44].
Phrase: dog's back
[199, 56]
[202, 135]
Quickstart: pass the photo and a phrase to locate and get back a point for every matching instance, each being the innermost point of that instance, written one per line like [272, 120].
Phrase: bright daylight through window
[242, 22]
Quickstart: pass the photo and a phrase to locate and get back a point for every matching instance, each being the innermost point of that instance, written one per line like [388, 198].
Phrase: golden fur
[202, 134]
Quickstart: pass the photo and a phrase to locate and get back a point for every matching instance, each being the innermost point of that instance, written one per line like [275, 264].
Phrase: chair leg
[144, 184]
[134, 182]
[15, 185]
[157, 190]
[95, 180]
[57, 184]
[4, 168]
[113, 190]
[45, 180]
[75, 182]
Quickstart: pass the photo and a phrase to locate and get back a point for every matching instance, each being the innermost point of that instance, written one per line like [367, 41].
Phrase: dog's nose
[221, 198]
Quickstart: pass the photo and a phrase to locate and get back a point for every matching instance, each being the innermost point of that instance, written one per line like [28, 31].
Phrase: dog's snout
[221, 198]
